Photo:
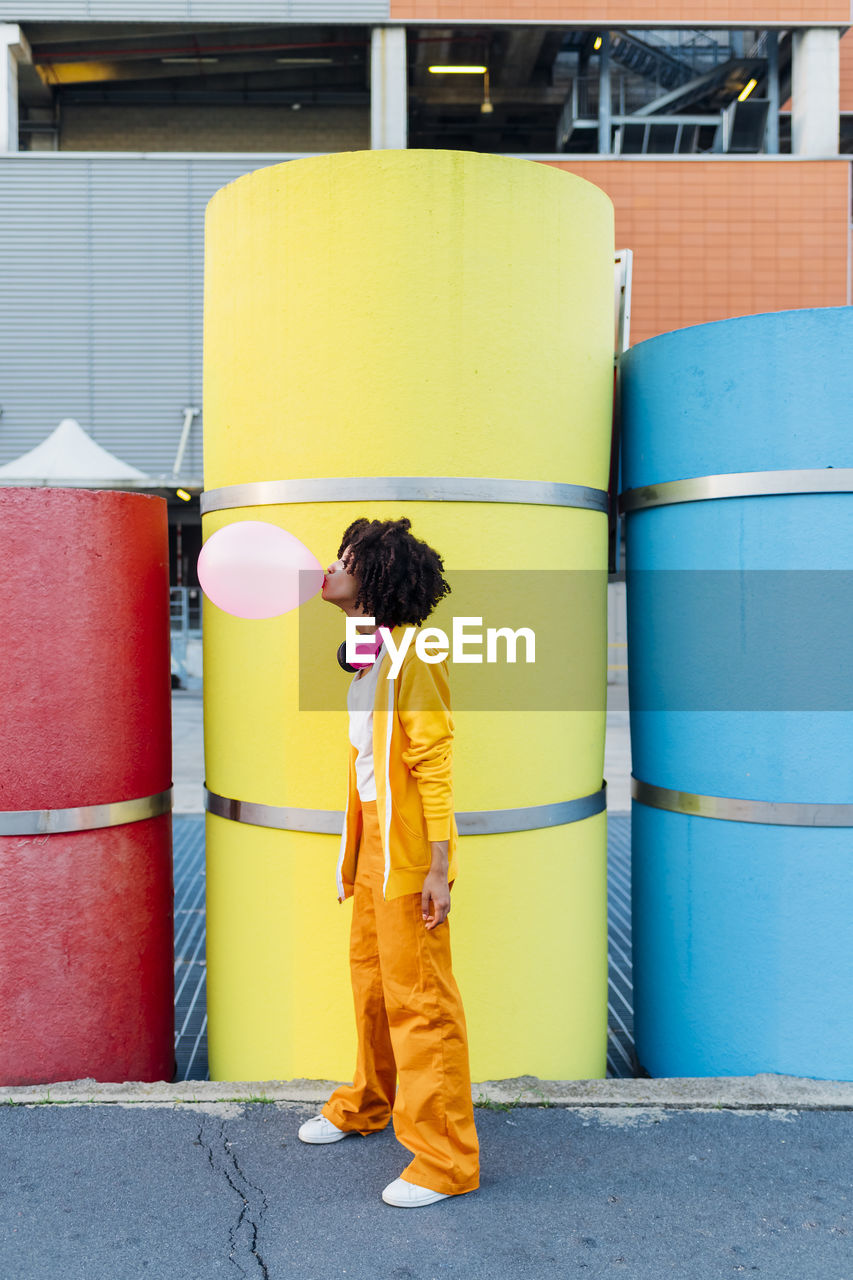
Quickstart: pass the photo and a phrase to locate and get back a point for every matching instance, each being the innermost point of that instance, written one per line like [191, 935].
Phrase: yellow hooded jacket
[412, 765]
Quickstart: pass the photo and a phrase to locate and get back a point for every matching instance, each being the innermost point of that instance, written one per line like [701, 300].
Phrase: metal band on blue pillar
[88, 817]
[733, 809]
[472, 822]
[738, 484]
[270, 493]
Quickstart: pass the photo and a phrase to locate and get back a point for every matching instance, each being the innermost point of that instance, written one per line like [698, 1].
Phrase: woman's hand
[435, 895]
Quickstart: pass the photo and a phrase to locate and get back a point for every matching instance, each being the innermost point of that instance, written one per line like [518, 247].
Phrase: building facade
[723, 132]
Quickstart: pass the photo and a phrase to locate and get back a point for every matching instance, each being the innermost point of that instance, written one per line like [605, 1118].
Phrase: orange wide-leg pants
[412, 1041]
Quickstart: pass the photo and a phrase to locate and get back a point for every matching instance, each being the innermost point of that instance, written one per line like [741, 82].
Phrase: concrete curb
[765, 1090]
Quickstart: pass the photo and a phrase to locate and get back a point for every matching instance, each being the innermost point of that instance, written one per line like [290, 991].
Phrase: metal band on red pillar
[88, 817]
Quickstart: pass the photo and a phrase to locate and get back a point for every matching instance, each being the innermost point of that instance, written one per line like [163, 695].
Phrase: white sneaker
[319, 1129]
[407, 1195]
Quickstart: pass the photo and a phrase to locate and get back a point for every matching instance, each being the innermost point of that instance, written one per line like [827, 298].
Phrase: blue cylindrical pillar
[740, 618]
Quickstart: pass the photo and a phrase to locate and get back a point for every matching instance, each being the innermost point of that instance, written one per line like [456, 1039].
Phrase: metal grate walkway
[190, 966]
[191, 972]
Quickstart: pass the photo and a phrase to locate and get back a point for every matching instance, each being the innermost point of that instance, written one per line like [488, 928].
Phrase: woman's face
[340, 585]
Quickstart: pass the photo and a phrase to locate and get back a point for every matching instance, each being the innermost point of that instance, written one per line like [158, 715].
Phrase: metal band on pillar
[738, 484]
[89, 817]
[409, 489]
[472, 822]
[270, 493]
[732, 809]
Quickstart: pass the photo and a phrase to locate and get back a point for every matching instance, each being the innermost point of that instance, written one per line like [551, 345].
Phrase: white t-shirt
[360, 698]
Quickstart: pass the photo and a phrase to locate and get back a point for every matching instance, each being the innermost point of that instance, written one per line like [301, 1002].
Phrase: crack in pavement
[243, 1235]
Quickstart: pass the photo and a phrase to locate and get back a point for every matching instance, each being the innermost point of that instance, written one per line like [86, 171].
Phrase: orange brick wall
[687, 12]
[714, 239]
[847, 72]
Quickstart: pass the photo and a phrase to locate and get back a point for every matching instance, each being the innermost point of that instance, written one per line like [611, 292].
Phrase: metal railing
[185, 609]
[698, 50]
[185, 614]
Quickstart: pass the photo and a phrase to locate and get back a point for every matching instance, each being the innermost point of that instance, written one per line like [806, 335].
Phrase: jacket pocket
[414, 846]
[411, 813]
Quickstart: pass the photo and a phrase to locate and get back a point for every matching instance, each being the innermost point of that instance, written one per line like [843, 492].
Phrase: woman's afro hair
[400, 576]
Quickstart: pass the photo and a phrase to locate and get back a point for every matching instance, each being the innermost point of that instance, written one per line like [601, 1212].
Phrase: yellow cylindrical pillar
[406, 314]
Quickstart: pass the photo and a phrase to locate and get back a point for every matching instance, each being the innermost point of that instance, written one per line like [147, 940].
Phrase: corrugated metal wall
[101, 281]
[206, 10]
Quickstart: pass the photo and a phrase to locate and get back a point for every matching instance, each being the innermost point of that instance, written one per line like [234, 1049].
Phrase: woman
[398, 861]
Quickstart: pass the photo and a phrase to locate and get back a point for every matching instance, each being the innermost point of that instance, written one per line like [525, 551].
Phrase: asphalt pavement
[193, 1191]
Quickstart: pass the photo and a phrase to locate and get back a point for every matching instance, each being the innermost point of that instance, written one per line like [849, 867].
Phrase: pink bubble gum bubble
[253, 569]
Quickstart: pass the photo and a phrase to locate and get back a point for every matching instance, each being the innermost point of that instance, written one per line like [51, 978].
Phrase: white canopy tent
[69, 456]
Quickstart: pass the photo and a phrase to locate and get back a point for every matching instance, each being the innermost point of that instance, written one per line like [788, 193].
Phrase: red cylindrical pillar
[86, 915]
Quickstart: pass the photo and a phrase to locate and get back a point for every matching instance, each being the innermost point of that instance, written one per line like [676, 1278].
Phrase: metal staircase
[653, 62]
[670, 91]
